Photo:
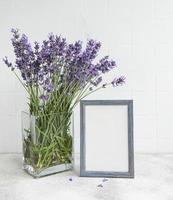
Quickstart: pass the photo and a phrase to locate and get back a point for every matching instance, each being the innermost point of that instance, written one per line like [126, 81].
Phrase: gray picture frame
[109, 174]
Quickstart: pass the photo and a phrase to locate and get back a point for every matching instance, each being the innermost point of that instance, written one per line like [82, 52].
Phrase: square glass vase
[47, 143]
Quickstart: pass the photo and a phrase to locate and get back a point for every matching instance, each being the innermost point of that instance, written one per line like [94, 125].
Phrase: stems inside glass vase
[50, 141]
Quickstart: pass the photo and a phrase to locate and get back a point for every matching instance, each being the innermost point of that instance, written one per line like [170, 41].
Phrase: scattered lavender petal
[100, 185]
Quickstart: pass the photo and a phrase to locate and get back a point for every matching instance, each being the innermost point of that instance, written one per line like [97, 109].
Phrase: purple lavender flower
[118, 81]
[36, 47]
[90, 52]
[54, 57]
[44, 97]
[104, 180]
[50, 88]
[77, 47]
[15, 33]
[105, 65]
[9, 64]
[70, 179]
[93, 70]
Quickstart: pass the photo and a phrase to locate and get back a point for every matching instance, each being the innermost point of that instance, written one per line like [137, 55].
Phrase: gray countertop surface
[153, 181]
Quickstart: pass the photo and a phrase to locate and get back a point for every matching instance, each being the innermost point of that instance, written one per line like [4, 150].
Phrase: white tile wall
[137, 33]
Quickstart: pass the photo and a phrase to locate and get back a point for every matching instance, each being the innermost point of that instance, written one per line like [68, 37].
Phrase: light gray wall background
[137, 33]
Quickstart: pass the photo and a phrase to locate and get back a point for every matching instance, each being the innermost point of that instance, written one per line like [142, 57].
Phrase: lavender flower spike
[9, 64]
[118, 81]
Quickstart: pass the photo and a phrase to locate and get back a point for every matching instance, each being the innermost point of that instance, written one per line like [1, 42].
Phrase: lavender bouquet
[56, 76]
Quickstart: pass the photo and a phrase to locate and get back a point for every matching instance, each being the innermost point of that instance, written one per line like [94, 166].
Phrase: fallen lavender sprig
[100, 185]
[105, 180]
